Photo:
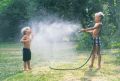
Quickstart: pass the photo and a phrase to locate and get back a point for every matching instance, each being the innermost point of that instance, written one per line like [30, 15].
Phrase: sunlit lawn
[11, 68]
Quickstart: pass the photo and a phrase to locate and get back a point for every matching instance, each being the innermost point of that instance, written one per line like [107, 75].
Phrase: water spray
[73, 68]
[49, 35]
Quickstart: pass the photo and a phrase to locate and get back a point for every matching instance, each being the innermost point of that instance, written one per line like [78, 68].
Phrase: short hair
[100, 14]
[24, 29]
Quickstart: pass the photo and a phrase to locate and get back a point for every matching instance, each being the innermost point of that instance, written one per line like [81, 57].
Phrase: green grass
[11, 68]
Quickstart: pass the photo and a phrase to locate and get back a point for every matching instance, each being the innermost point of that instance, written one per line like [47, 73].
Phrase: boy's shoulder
[98, 24]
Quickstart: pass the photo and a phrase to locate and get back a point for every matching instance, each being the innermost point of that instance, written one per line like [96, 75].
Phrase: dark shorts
[96, 41]
[26, 54]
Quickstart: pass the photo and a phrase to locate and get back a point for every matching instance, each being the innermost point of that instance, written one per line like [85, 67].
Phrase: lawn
[11, 68]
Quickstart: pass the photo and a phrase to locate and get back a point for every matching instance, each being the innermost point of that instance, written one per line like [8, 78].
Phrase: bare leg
[25, 66]
[92, 57]
[99, 57]
[92, 61]
[29, 66]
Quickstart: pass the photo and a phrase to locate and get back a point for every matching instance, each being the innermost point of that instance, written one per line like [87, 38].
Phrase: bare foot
[30, 68]
[91, 66]
[24, 70]
[98, 67]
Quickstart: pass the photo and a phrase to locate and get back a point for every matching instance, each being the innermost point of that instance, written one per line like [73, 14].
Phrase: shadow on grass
[89, 74]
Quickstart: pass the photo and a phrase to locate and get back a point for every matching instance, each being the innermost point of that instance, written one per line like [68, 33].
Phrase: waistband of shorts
[27, 48]
[96, 37]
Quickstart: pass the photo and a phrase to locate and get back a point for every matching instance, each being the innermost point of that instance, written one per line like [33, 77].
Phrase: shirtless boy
[26, 40]
[95, 31]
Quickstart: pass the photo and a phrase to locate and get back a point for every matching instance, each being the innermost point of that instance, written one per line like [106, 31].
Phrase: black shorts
[26, 54]
[96, 41]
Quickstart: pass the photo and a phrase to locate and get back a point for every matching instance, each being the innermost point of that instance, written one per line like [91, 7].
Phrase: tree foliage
[13, 13]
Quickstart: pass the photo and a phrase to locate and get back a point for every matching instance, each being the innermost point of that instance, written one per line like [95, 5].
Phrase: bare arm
[92, 28]
[89, 31]
[24, 39]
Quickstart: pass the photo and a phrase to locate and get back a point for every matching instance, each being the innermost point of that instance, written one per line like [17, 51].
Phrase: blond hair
[99, 14]
[24, 29]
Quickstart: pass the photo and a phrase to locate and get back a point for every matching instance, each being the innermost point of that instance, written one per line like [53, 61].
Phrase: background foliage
[16, 13]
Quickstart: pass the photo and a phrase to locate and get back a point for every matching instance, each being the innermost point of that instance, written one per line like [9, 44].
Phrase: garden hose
[72, 68]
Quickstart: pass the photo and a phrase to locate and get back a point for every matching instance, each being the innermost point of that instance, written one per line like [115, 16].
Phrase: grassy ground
[11, 68]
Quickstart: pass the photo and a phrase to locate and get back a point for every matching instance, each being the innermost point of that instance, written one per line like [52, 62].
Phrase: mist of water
[52, 40]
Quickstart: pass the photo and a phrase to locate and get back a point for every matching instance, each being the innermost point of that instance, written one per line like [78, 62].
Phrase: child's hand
[82, 30]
